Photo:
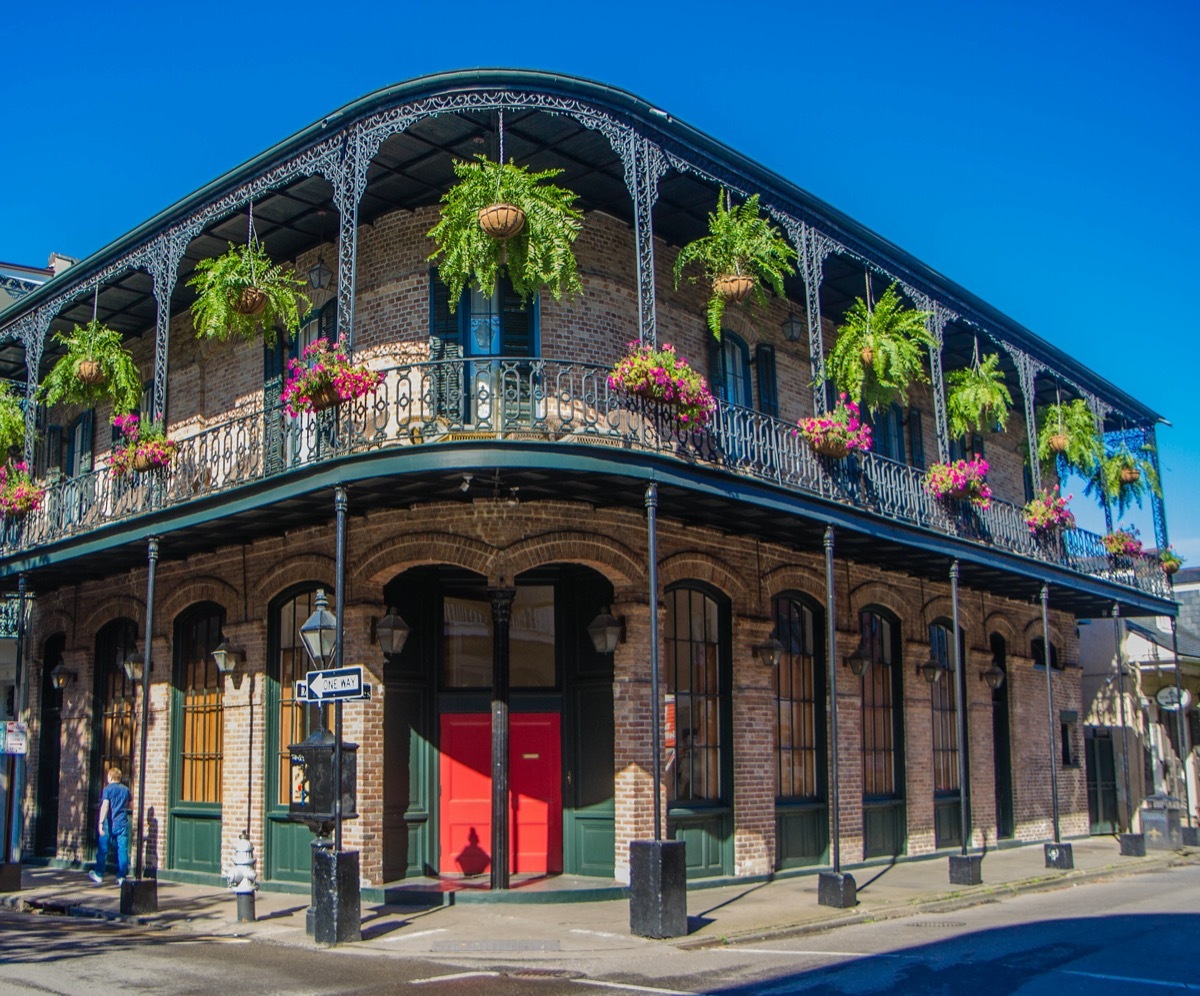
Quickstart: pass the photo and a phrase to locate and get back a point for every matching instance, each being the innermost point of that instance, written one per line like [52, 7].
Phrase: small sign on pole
[16, 738]
[1172, 698]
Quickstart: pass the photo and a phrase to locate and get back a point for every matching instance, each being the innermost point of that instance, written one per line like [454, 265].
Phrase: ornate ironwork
[1027, 371]
[545, 402]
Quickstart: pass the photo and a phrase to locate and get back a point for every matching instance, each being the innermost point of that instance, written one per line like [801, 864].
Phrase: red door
[535, 794]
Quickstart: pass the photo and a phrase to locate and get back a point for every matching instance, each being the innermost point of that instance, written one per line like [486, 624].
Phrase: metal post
[1117, 629]
[14, 763]
[1050, 708]
[1180, 727]
[831, 667]
[655, 717]
[960, 712]
[502, 599]
[339, 508]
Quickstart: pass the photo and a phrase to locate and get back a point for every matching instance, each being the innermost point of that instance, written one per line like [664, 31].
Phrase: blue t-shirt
[117, 796]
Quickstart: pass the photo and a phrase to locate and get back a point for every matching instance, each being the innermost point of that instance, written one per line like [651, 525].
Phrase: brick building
[497, 493]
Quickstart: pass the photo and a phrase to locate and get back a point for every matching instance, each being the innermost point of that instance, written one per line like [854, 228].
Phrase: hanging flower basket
[144, 447]
[18, 494]
[501, 220]
[1058, 442]
[838, 432]
[1122, 543]
[733, 287]
[661, 376]
[90, 372]
[962, 479]
[1130, 475]
[1047, 515]
[322, 379]
[1169, 561]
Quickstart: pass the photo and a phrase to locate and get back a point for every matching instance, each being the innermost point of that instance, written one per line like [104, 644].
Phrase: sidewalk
[557, 929]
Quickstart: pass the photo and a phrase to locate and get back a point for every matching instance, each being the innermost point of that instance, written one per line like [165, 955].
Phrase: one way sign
[334, 684]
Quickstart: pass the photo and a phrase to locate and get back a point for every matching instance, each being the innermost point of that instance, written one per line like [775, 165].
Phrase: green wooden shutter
[768, 397]
[518, 323]
[716, 367]
[327, 324]
[86, 420]
[916, 438]
[273, 435]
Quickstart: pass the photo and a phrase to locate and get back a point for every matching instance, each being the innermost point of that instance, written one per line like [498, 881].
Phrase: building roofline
[652, 119]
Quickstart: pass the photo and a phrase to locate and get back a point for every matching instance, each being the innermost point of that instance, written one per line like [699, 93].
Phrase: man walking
[114, 828]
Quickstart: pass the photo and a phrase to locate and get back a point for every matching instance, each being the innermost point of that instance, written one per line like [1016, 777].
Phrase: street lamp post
[10, 820]
[965, 868]
[1133, 844]
[1058, 854]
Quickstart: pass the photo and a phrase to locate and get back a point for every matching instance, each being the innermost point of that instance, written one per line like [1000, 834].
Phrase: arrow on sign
[337, 683]
[302, 694]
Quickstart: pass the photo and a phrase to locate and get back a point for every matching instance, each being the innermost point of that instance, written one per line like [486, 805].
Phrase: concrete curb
[942, 903]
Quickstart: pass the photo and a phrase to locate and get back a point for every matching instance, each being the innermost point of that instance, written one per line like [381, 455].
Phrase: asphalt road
[1130, 935]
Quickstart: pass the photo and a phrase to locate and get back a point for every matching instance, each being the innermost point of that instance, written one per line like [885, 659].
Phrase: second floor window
[730, 363]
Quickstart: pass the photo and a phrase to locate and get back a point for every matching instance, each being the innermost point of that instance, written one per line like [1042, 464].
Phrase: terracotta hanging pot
[1058, 442]
[501, 221]
[1130, 475]
[89, 371]
[733, 287]
[250, 301]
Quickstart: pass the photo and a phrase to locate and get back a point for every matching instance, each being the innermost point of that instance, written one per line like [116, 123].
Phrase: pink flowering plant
[18, 494]
[1123, 542]
[1169, 560]
[1048, 512]
[662, 375]
[325, 377]
[960, 479]
[142, 447]
[837, 432]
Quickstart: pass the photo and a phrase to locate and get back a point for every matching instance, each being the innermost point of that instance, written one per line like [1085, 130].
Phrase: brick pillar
[363, 725]
[158, 761]
[244, 757]
[74, 771]
[849, 748]
[918, 749]
[632, 757]
[753, 751]
[980, 749]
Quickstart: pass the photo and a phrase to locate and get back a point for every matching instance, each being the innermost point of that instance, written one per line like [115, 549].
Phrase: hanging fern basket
[90, 372]
[1058, 442]
[501, 220]
[733, 287]
[1130, 475]
[250, 301]
[868, 356]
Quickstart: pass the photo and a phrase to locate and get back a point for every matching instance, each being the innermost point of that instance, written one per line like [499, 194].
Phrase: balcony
[548, 402]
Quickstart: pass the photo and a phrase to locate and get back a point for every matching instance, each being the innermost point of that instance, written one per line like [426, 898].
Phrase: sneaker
[95, 878]
[120, 881]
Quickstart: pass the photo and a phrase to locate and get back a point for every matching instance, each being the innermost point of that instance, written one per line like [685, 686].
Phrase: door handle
[568, 777]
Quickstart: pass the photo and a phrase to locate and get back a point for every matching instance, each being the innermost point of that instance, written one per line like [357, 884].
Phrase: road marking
[634, 989]
[1129, 979]
[410, 937]
[453, 978]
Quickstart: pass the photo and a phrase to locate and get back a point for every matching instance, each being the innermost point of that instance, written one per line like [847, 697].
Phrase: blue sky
[1042, 155]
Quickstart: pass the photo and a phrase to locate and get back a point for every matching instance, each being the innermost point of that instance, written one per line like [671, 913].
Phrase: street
[1130, 935]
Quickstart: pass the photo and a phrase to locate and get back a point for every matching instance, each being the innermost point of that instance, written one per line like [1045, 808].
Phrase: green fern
[739, 242]
[220, 281]
[12, 419]
[978, 398]
[121, 383]
[1106, 482]
[1073, 419]
[540, 255]
[897, 340]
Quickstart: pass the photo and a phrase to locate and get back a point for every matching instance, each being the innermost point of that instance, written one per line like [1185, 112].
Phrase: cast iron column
[152, 564]
[1117, 628]
[14, 764]
[339, 508]
[831, 667]
[1180, 727]
[960, 711]
[502, 599]
[655, 708]
[1050, 707]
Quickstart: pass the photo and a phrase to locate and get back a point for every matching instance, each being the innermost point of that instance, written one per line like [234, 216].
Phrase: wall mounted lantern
[859, 662]
[319, 275]
[932, 669]
[391, 632]
[994, 676]
[227, 656]
[61, 677]
[133, 666]
[793, 328]
[769, 652]
[606, 631]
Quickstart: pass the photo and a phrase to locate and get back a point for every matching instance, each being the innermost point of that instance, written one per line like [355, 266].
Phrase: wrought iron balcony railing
[444, 402]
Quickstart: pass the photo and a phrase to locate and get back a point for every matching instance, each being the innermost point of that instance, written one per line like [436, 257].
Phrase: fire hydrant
[242, 878]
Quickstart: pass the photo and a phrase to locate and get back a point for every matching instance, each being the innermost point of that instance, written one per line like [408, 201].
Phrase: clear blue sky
[1042, 154]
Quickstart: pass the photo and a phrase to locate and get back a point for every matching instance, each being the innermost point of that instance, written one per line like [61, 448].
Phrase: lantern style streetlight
[319, 633]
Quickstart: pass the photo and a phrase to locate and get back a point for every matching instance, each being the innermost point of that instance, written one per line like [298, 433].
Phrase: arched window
[288, 664]
[198, 698]
[1037, 650]
[880, 716]
[943, 698]
[799, 702]
[700, 683]
[114, 721]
